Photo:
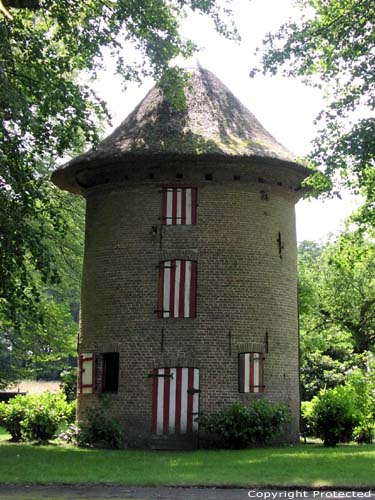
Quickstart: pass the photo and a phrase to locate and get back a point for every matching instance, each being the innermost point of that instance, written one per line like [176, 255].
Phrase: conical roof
[214, 122]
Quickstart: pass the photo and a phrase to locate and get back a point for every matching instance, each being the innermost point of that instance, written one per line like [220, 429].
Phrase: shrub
[100, 430]
[334, 415]
[364, 433]
[306, 419]
[239, 426]
[44, 416]
[363, 385]
[68, 383]
[12, 414]
[34, 417]
[71, 410]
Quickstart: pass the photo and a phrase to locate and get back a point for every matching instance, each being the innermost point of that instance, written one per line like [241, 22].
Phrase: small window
[208, 177]
[179, 206]
[177, 289]
[110, 371]
[251, 372]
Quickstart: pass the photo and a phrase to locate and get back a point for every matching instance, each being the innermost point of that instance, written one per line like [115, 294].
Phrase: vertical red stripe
[161, 291]
[181, 298]
[183, 206]
[164, 195]
[178, 400]
[174, 205]
[80, 373]
[172, 284]
[243, 381]
[193, 205]
[193, 289]
[154, 400]
[251, 372]
[167, 383]
[260, 372]
[93, 378]
[190, 400]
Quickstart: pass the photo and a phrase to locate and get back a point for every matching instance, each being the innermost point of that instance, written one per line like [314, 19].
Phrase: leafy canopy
[337, 309]
[49, 51]
[332, 47]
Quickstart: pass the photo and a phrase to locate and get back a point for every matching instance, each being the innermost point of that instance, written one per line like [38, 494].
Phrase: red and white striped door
[175, 400]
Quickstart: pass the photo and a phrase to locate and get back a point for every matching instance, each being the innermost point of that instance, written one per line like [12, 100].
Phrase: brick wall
[244, 288]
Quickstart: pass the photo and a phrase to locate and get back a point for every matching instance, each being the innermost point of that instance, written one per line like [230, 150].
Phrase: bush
[12, 415]
[69, 383]
[364, 433]
[363, 385]
[100, 430]
[71, 411]
[334, 415]
[44, 416]
[306, 419]
[239, 426]
[34, 417]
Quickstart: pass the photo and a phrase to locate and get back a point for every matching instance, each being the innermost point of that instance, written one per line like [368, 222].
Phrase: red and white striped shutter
[251, 372]
[179, 206]
[177, 291]
[87, 373]
[175, 400]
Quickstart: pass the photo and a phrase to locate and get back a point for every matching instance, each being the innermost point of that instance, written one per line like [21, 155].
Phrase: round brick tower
[189, 293]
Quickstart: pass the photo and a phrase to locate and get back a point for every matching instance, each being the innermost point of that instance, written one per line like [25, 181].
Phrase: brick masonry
[244, 287]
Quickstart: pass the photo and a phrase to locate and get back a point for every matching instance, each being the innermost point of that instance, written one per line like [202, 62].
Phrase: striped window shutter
[86, 379]
[251, 372]
[177, 289]
[179, 205]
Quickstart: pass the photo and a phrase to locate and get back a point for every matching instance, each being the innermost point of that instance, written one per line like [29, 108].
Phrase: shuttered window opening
[177, 289]
[175, 400]
[251, 372]
[86, 377]
[179, 205]
[110, 373]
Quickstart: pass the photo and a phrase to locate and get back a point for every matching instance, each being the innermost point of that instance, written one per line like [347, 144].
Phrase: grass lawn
[301, 465]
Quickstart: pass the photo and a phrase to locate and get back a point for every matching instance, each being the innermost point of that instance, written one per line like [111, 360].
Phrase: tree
[337, 313]
[48, 111]
[333, 47]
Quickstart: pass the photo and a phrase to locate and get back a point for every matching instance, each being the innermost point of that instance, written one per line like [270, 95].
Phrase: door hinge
[193, 391]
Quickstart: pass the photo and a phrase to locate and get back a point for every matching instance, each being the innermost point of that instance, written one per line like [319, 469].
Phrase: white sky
[285, 107]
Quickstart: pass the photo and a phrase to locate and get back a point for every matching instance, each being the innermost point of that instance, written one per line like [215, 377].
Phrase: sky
[284, 106]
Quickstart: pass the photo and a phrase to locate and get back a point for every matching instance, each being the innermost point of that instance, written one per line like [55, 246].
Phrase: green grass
[308, 465]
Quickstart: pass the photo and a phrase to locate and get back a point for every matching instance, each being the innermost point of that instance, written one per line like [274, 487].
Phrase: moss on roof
[214, 122]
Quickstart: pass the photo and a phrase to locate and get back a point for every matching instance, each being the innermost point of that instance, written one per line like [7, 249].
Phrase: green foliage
[69, 383]
[71, 411]
[334, 415]
[306, 419]
[35, 417]
[331, 47]
[12, 415]
[239, 426]
[363, 383]
[49, 111]
[99, 430]
[337, 310]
